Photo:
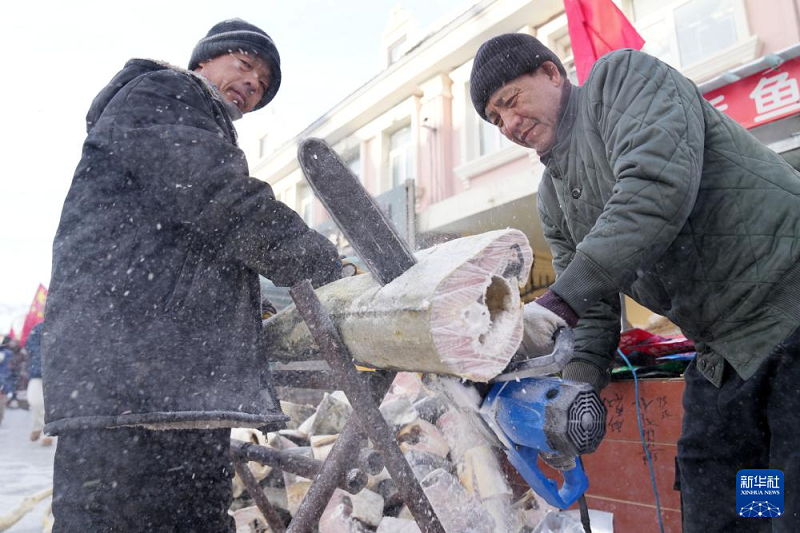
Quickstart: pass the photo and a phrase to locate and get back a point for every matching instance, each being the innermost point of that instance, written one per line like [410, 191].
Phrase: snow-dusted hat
[236, 34]
[503, 58]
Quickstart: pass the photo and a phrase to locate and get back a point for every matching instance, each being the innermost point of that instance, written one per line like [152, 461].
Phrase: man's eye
[245, 63]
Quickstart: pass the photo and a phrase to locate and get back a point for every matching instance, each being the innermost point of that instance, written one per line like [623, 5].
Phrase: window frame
[407, 155]
[667, 15]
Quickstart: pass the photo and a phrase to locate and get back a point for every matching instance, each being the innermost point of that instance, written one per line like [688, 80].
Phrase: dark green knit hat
[503, 58]
[236, 34]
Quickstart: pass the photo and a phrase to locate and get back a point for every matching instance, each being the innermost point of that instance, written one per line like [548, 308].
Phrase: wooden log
[25, 506]
[456, 312]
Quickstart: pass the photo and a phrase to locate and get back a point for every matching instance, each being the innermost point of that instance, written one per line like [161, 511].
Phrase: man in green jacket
[651, 192]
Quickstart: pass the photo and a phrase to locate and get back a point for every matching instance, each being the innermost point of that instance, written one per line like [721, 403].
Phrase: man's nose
[511, 123]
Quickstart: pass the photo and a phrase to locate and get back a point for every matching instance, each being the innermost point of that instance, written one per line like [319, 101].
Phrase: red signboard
[761, 98]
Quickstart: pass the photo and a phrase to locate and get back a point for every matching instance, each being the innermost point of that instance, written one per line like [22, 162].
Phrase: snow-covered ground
[26, 468]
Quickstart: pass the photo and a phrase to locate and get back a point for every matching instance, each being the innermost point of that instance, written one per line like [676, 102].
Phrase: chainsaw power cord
[641, 436]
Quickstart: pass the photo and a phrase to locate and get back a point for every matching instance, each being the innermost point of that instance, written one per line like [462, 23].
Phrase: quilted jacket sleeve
[175, 149]
[650, 123]
[598, 330]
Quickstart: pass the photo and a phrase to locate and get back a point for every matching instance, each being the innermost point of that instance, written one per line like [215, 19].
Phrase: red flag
[11, 333]
[597, 27]
[35, 314]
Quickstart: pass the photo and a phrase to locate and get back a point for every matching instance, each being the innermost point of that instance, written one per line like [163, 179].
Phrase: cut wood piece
[460, 433]
[457, 311]
[331, 415]
[481, 474]
[397, 525]
[422, 436]
[297, 413]
[365, 507]
[296, 486]
[398, 412]
[321, 445]
[456, 509]
[258, 470]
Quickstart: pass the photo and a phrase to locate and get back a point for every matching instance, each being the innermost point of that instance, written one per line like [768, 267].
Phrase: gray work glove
[540, 326]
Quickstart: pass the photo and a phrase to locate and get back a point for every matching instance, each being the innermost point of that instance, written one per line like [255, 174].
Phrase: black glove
[586, 372]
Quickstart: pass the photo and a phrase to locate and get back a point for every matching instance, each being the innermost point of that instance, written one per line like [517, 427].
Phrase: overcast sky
[57, 55]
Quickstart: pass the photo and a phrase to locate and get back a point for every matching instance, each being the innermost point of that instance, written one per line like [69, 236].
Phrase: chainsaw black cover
[354, 211]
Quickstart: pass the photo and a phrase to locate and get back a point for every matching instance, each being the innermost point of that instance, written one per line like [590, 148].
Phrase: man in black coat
[152, 347]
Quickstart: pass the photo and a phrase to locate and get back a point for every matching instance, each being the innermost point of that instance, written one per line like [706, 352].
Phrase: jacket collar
[135, 68]
[557, 155]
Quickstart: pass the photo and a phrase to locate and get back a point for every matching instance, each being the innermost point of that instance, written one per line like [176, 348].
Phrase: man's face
[241, 77]
[526, 108]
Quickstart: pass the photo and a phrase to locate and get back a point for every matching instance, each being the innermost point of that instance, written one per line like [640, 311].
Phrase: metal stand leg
[352, 479]
[369, 416]
[346, 451]
[257, 493]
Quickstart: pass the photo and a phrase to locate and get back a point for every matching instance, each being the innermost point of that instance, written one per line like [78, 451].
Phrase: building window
[307, 207]
[563, 49]
[396, 50]
[490, 139]
[687, 32]
[645, 8]
[354, 164]
[401, 163]
[705, 28]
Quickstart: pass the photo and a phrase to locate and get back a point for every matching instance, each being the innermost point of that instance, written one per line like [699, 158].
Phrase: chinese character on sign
[747, 482]
[719, 102]
[772, 482]
[775, 96]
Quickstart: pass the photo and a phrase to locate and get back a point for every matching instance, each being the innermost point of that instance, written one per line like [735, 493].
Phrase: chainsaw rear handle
[575, 483]
[543, 365]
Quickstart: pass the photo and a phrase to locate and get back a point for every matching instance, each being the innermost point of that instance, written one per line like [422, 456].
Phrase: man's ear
[201, 65]
[552, 72]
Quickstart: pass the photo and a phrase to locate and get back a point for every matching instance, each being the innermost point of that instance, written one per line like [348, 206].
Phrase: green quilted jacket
[650, 191]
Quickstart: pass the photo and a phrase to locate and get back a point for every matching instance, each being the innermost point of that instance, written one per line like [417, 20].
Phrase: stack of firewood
[465, 477]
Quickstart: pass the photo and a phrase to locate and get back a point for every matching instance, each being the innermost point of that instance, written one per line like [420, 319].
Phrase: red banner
[597, 27]
[35, 314]
[761, 98]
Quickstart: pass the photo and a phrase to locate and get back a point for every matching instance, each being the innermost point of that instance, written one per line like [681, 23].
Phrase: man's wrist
[553, 302]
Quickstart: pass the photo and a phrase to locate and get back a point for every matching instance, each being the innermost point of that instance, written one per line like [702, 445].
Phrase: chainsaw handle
[575, 484]
[555, 361]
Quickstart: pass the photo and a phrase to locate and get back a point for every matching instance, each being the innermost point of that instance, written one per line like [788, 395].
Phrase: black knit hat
[503, 58]
[233, 35]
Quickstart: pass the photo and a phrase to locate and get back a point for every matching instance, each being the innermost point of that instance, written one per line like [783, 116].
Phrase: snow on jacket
[650, 191]
[153, 312]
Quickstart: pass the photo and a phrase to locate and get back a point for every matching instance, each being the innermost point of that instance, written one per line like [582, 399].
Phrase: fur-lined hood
[137, 67]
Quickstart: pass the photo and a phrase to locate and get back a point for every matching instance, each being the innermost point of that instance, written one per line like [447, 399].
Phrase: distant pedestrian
[35, 396]
[16, 379]
[5, 371]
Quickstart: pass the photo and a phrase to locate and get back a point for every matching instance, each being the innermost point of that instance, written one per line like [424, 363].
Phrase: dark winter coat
[651, 191]
[153, 312]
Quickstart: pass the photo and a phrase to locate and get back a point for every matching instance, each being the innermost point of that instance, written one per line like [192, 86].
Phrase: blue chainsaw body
[534, 415]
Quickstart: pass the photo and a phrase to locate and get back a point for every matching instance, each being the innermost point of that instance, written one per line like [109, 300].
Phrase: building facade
[413, 124]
